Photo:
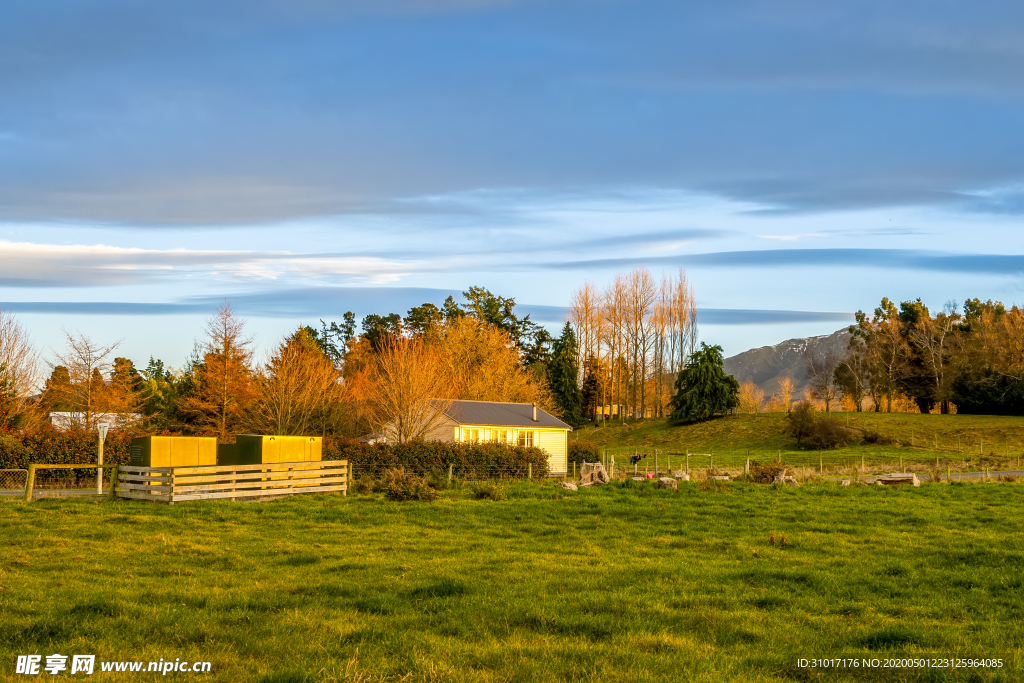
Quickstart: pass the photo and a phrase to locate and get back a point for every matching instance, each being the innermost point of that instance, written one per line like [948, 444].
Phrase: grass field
[620, 583]
[964, 442]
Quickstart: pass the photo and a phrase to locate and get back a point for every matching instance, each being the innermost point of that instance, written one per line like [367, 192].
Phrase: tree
[853, 374]
[785, 393]
[377, 328]
[703, 390]
[18, 366]
[161, 390]
[299, 389]
[821, 366]
[500, 312]
[421, 318]
[83, 393]
[563, 377]
[222, 377]
[750, 397]
[412, 385]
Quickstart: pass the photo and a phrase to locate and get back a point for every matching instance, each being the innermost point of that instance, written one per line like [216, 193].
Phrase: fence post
[947, 474]
[30, 483]
[529, 470]
[113, 482]
[712, 463]
[449, 473]
[687, 462]
[655, 462]
[746, 466]
[821, 470]
[862, 470]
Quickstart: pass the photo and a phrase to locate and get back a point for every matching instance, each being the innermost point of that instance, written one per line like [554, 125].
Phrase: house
[70, 420]
[522, 424]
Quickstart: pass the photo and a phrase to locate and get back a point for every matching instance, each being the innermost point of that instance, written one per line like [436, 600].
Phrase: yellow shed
[174, 451]
[257, 449]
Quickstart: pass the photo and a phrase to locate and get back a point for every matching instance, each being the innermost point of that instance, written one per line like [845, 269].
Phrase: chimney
[534, 412]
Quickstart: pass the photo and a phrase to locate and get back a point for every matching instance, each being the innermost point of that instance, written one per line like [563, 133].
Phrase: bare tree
[641, 294]
[411, 384]
[822, 366]
[18, 366]
[86, 363]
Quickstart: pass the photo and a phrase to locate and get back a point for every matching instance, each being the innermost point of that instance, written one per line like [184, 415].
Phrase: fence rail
[179, 484]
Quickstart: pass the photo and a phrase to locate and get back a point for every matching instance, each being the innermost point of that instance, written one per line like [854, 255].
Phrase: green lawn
[963, 442]
[619, 583]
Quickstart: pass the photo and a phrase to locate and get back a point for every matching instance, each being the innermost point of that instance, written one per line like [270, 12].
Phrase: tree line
[330, 379]
[634, 337]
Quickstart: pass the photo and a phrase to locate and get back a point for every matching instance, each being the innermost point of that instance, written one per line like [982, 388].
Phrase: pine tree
[703, 390]
[563, 373]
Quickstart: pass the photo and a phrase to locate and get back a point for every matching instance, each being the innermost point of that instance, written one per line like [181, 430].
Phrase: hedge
[481, 460]
[49, 446]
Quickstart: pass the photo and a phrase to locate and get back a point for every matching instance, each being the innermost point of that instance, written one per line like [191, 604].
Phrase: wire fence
[12, 482]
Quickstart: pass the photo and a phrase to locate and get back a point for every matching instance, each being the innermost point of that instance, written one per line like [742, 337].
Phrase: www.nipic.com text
[34, 665]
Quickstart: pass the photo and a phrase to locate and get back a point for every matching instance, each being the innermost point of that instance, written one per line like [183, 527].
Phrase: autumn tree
[785, 392]
[299, 389]
[412, 386]
[222, 376]
[750, 397]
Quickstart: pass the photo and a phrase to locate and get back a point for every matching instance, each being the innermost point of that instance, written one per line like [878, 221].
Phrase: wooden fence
[178, 484]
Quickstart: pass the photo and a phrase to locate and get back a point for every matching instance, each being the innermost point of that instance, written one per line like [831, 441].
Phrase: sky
[303, 158]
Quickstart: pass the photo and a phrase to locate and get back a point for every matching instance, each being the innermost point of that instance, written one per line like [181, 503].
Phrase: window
[525, 438]
[470, 435]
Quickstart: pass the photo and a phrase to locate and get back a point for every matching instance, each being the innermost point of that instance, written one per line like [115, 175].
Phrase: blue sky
[302, 158]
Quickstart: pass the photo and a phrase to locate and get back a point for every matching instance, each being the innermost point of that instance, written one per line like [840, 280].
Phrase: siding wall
[554, 442]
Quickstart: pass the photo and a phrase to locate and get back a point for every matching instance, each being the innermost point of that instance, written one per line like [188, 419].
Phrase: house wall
[554, 442]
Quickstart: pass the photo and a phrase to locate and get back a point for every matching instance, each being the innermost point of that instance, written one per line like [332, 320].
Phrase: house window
[525, 438]
[470, 435]
[486, 435]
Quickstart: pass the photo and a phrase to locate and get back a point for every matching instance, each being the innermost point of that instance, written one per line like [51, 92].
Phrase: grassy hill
[962, 442]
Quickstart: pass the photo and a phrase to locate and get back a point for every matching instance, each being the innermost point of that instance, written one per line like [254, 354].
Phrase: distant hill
[767, 365]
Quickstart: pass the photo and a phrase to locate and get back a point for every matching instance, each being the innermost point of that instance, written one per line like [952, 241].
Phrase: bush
[488, 492]
[479, 461]
[801, 420]
[764, 474]
[826, 433]
[400, 484]
[583, 451]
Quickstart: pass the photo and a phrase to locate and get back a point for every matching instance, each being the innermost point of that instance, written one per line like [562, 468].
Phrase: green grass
[619, 583]
[964, 442]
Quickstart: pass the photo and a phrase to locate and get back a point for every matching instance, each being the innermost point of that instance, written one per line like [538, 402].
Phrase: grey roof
[501, 414]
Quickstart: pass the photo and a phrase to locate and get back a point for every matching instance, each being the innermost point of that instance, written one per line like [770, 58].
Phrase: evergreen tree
[563, 372]
[703, 390]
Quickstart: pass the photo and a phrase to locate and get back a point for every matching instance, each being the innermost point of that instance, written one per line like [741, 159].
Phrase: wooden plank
[304, 464]
[137, 469]
[135, 477]
[258, 483]
[133, 495]
[142, 487]
[275, 475]
[259, 492]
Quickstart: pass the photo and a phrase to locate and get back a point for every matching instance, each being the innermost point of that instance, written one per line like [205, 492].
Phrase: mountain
[767, 365]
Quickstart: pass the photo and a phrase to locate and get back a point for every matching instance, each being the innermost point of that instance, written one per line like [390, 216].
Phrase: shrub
[488, 492]
[479, 461]
[878, 438]
[583, 451]
[764, 474]
[801, 420]
[400, 484]
[828, 433]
